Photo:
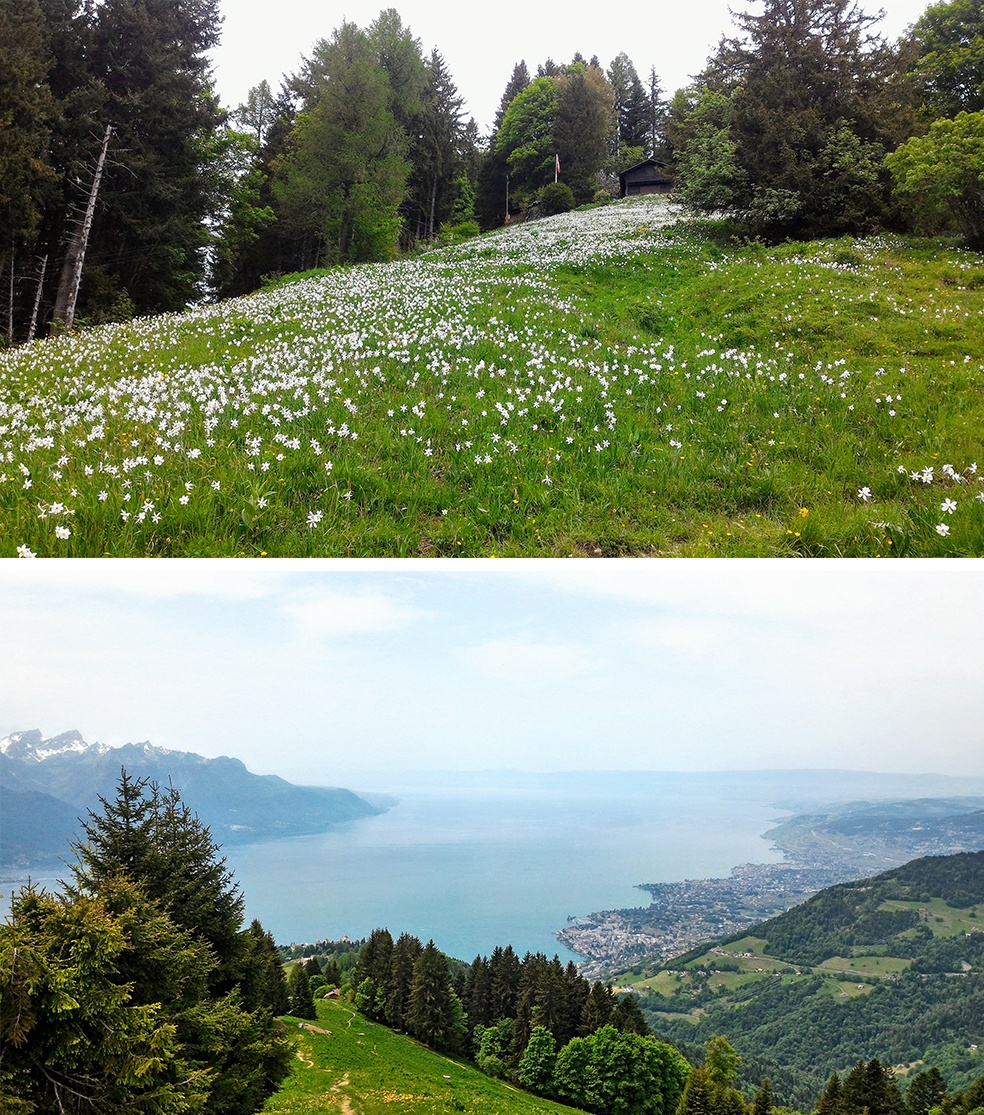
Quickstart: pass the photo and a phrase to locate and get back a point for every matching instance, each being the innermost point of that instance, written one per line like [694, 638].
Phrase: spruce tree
[630, 105]
[582, 127]
[431, 1013]
[519, 80]
[299, 992]
[148, 60]
[95, 993]
[26, 110]
[402, 961]
[149, 840]
[150, 835]
[926, 1090]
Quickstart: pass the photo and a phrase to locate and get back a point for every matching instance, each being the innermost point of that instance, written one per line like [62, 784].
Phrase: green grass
[356, 1067]
[941, 919]
[877, 966]
[607, 383]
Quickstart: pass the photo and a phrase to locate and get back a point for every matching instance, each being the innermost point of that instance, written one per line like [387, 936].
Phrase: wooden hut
[647, 177]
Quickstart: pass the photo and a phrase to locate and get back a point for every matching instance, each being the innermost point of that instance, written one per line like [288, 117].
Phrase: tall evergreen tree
[437, 151]
[148, 58]
[151, 836]
[630, 105]
[149, 865]
[91, 989]
[815, 105]
[655, 112]
[583, 126]
[926, 1090]
[299, 992]
[519, 80]
[26, 109]
[434, 1014]
[404, 957]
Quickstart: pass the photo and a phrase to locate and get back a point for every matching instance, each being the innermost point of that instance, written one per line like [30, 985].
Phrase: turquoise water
[495, 860]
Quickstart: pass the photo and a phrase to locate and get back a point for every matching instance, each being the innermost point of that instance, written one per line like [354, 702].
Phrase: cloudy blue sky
[326, 672]
[481, 44]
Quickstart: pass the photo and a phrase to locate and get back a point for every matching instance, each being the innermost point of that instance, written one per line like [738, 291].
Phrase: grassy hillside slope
[614, 382]
[349, 1065]
[890, 967]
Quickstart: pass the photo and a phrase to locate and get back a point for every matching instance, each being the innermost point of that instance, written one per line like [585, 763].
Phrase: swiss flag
[558, 164]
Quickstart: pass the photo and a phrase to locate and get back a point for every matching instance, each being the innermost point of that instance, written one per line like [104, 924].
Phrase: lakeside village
[684, 914]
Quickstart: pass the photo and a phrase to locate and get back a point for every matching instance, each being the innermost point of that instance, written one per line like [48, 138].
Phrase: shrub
[558, 197]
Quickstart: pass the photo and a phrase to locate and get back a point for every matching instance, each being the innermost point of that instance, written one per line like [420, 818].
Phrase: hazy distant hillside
[47, 784]
[889, 967]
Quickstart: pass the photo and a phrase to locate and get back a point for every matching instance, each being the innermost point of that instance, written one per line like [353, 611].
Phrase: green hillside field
[890, 967]
[347, 1064]
[612, 382]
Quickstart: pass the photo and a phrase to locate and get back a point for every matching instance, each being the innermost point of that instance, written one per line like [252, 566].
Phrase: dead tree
[71, 276]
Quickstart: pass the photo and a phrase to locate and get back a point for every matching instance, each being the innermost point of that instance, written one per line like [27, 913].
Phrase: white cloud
[319, 615]
[527, 662]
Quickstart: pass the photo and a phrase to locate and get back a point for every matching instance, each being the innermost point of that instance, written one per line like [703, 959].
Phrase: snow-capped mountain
[33, 746]
[46, 785]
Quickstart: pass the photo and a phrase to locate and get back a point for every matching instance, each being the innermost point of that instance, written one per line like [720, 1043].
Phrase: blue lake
[475, 863]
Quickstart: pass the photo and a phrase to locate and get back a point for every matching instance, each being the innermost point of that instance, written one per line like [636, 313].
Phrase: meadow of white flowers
[440, 396]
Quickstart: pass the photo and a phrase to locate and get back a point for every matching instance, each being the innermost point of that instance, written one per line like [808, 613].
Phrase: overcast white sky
[482, 42]
[326, 673]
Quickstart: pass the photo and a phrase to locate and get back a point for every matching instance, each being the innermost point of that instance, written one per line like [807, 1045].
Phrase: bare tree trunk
[37, 301]
[71, 277]
[433, 207]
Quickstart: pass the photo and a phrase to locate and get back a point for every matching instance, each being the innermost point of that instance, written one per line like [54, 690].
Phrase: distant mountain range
[46, 785]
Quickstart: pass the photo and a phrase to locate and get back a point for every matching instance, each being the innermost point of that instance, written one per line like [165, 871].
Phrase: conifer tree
[519, 80]
[583, 127]
[26, 108]
[630, 105]
[432, 1016]
[172, 1024]
[90, 991]
[151, 836]
[598, 1008]
[402, 961]
[926, 1090]
[299, 992]
[148, 61]
[341, 182]
[815, 102]
[762, 1104]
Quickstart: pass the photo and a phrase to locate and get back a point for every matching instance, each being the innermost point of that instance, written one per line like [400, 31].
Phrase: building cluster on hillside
[684, 914]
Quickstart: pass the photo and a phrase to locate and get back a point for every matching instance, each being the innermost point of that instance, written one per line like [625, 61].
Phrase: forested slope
[890, 967]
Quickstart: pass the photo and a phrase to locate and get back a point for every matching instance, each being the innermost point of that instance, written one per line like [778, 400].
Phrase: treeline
[532, 1020]
[126, 188]
[795, 125]
[139, 988]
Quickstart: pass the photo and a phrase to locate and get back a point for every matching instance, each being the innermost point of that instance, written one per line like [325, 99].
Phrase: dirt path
[344, 1103]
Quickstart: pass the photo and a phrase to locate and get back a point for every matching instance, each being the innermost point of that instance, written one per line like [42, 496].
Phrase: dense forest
[127, 188]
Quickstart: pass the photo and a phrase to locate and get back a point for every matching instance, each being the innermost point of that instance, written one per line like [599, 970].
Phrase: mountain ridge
[48, 784]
